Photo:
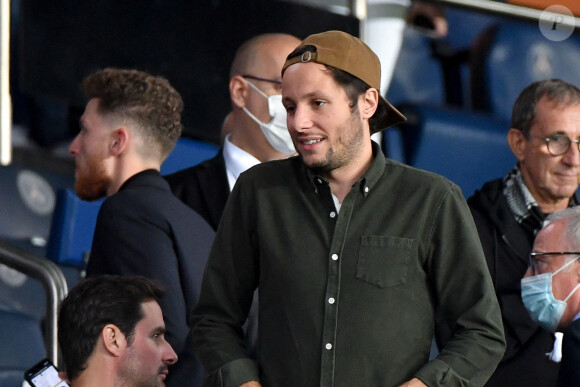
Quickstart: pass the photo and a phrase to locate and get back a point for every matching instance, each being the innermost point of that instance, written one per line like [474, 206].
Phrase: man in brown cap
[352, 252]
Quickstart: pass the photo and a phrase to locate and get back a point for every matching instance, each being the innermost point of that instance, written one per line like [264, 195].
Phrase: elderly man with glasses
[508, 212]
[549, 289]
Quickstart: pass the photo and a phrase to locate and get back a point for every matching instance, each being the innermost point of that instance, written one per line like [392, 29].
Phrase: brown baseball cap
[347, 53]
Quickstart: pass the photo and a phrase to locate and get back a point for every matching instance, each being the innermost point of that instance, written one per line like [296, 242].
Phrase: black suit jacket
[570, 366]
[203, 187]
[143, 229]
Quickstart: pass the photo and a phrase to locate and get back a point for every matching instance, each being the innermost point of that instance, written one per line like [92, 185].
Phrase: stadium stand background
[456, 92]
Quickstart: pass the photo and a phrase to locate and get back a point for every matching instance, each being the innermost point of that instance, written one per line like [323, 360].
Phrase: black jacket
[506, 245]
[143, 229]
[570, 371]
[203, 187]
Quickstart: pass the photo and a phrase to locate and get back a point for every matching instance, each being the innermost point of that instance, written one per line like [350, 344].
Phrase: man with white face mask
[255, 130]
[550, 287]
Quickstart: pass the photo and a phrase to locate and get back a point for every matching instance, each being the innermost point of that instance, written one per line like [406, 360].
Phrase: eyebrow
[312, 94]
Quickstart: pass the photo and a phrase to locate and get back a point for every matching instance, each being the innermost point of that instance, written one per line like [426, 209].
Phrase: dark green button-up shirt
[347, 298]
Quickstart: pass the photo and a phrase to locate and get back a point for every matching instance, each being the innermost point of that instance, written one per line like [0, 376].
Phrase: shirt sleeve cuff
[233, 374]
[438, 373]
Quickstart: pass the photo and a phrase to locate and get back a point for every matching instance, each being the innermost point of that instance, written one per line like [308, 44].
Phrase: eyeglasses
[558, 144]
[533, 255]
[274, 81]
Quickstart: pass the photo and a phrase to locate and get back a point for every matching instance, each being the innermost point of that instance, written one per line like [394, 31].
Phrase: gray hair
[571, 217]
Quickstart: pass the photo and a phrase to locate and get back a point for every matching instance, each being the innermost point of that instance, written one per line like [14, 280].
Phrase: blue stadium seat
[465, 25]
[23, 332]
[72, 229]
[417, 77]
[467, 148]
[186, 153]
[509, 56]
[27, 200]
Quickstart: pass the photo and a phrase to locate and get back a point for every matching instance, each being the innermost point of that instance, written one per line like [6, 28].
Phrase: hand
[251, 383]
[63, 376]
[413, 383]
[429, 17]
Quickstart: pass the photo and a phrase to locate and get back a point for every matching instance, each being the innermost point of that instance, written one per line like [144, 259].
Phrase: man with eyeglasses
[508, 213]
[549, 289]
[255, 130]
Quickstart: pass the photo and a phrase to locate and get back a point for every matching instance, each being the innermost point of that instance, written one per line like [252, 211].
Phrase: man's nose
[73, 147]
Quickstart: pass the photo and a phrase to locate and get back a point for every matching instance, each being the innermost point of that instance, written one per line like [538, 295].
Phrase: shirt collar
[237, 160]
[369, 179]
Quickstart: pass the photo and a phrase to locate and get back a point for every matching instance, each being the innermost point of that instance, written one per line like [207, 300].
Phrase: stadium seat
[23, 332]
[509, 56]
[27, 200]
[417, 77]
[72, 229]
[186, 153]
[467, 148]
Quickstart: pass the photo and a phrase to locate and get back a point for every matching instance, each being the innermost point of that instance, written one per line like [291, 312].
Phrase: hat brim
[394, 117]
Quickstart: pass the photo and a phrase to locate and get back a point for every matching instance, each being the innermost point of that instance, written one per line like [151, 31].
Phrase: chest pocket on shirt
[383, 260]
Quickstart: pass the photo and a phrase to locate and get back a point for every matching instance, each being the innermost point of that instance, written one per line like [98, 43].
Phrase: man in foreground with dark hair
[352, 253]
[131, 123]
[111, 333]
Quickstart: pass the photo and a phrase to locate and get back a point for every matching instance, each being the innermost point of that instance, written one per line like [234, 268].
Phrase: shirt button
[332, 214]
[328, 346]
[366, 189]
[334, 257]
[331, 300]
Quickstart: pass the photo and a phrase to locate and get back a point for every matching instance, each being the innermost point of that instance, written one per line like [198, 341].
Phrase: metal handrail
[509, 10]
[358, 9]
[51, 278]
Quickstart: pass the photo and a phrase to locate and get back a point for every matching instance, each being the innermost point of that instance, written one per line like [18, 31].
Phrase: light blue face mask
[539, 300]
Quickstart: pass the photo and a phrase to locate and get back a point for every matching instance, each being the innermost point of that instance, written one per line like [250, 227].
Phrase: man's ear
[369, 103]
[119, 140]
[517, 141]
[238, 91]
[113, 339]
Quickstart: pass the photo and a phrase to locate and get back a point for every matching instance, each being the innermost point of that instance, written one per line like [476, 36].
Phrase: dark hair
[555, 90]
[94, 303]
[150, 102]
[353, 86]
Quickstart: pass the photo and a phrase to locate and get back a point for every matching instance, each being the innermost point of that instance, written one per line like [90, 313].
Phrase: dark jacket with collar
[203, 187]
[143, 229]
[570, 371]
[506, 245]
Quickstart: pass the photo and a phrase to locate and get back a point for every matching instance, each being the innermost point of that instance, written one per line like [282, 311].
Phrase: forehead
[271, 55]
[552, 237]
[304, 79]
[152, 317]
[91, 113]
[553, 116]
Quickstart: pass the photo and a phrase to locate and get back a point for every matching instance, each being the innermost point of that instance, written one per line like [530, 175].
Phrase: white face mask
[275, 131]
